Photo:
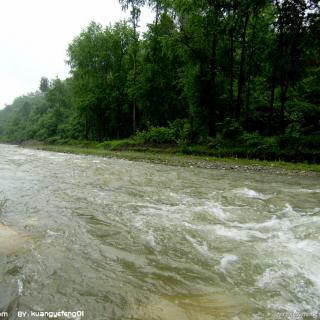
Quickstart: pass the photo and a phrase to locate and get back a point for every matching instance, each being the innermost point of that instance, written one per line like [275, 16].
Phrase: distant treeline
[204, 71]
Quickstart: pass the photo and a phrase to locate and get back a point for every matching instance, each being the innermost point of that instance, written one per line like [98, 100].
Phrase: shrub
[231, 129]
[161, 135]
[215, 143]
[182, 131]
[156, 135]
[252, 140]
[269, 149]
[141, 136]
[116, 144]
[311, 141]
[292, 136]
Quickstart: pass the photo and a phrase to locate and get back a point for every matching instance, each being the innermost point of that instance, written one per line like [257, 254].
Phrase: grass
[173, 156]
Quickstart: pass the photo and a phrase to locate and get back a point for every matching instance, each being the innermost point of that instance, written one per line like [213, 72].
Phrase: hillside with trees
[239, 78]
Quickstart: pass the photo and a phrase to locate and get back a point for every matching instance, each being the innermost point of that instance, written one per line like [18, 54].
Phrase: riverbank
[177, 159]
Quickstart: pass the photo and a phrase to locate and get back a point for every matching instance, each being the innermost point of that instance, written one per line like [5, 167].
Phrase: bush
[215, 143]
[269, 149]
[303, 112]
[311, 141]
[292, 136]
[231, 129]
[252, 140]
[182, 131]
[116, 144]
[156, 135]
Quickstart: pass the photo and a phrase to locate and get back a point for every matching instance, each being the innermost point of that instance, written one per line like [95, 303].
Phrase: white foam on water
[151, 240]
[202, 248]
[267, 224]
[189, 225]
[237, 234]
[249, 193]
[219, 212]
[20, 287]
[213, 208]
[313, 274]
[226, 260]
[231, 233]
[306, 257]
[298, 273]
[52, 233]
[301, 190]
[310, 246]
[138, 223]
[271, 277]
[288, 209]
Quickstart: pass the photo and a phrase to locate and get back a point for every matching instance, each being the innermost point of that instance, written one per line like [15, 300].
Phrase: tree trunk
[212, 89]
[248, 101]
[283, 98]
[231, 106]
[241, 71]
[273, 88]
[135, 18]
[251, 66]
[86, 131]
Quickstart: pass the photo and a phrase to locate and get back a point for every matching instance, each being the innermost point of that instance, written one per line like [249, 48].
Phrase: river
[132, 240]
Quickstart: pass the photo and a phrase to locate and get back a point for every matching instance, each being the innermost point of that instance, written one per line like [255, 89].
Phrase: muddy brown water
[126, 240]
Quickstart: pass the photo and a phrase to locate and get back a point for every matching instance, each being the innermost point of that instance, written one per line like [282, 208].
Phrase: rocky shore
[243, 165]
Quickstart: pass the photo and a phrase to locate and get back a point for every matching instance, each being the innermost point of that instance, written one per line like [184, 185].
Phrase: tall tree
[44, 85]
[99, 65]
[289, 49]
[135, 12]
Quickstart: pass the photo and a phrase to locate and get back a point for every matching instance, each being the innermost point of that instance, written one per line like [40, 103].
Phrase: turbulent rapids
[125, 240]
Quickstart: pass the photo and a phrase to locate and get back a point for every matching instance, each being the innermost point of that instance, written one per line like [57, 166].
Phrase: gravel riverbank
[244, 165]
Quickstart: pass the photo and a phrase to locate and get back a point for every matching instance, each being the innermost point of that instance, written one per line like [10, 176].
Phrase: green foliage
[44, 85]
[268, 150]
[304, 113]
[231, 129]
[156, 135]
[252, 140]
[311, 142]
[99, 60]
[238, 78]
[291, 137]
[39, 116]
[182, 131]
[117, 144]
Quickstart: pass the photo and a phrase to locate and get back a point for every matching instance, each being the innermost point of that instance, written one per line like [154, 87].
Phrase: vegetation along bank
[176, 157]
[223, 79]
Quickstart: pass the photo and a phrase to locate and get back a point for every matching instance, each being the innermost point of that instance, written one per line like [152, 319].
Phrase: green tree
[99, 65]
[44, 85]
[135, 13]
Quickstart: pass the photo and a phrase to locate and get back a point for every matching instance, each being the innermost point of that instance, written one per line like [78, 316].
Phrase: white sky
[34, 36]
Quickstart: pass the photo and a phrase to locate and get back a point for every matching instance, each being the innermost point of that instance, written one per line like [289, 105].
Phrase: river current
[132, 240]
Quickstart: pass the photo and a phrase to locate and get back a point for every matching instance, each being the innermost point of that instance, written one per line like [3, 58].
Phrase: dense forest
[236, 77]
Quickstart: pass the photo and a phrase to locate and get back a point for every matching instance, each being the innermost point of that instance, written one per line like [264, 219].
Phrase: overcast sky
[34, 36]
